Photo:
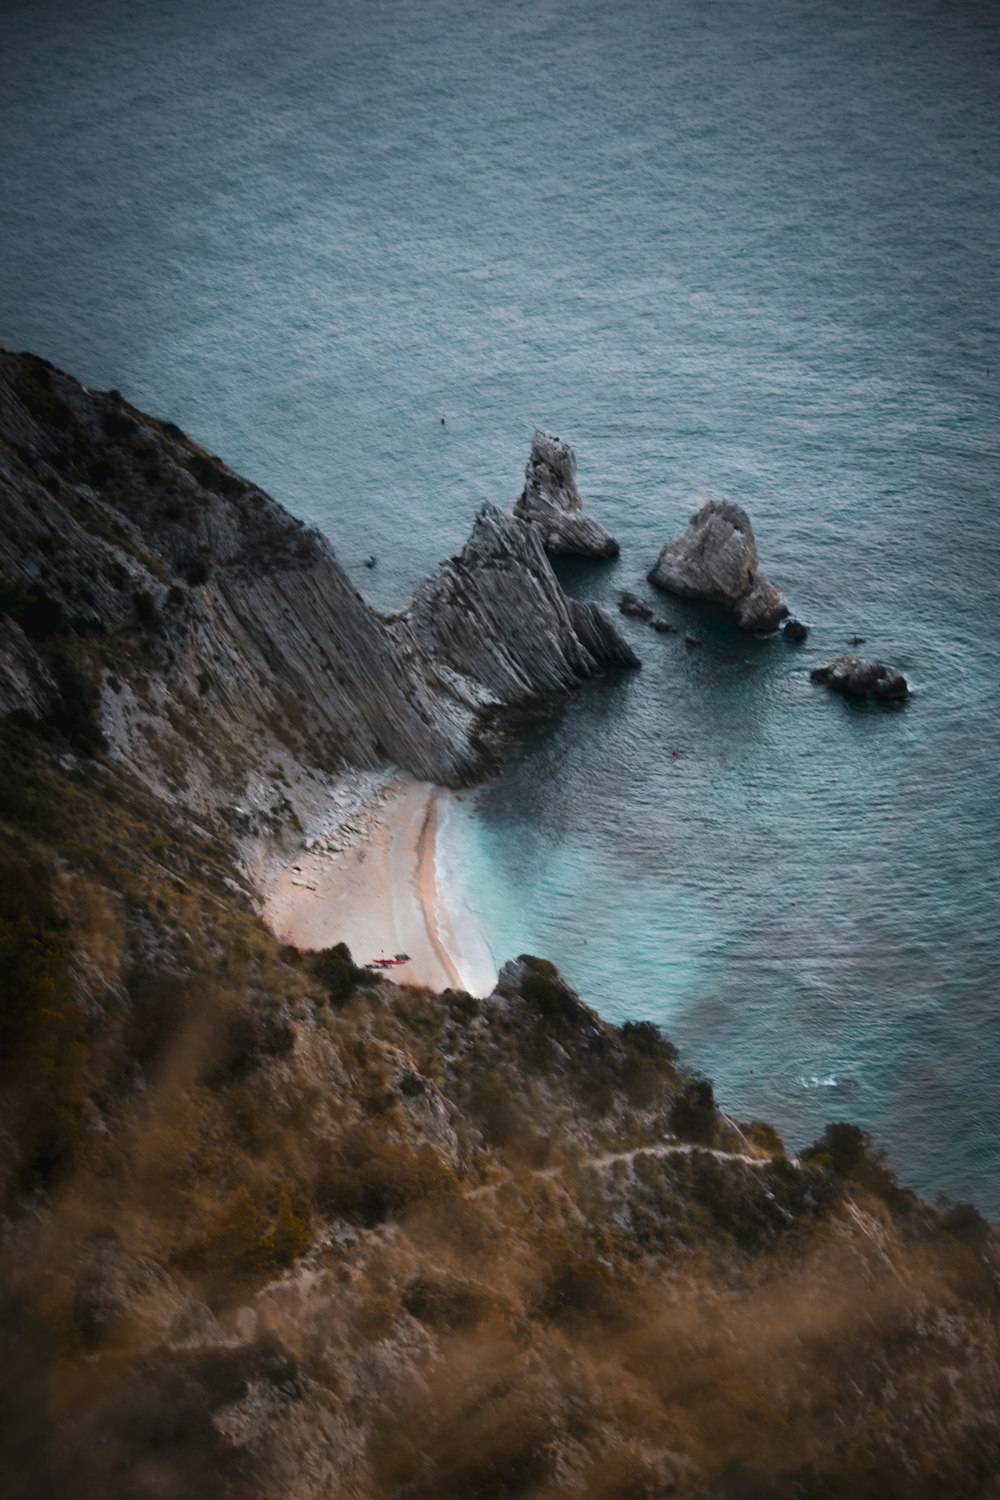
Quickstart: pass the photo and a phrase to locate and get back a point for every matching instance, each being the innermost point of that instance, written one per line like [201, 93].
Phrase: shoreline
[374, 882]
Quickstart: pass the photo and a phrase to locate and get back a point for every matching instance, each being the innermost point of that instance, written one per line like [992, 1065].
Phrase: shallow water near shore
[728, 250]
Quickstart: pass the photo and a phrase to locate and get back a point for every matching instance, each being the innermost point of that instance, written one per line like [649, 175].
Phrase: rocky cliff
[214, 642]
[275, 1228]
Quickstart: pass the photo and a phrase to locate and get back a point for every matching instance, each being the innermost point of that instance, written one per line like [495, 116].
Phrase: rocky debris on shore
[857, 678]
[715, 558]
[629, 604]
[551, 499]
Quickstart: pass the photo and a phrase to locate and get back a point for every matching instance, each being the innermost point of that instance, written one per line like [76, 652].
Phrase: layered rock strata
[215, 642]
[857, 678]
[551, 499]
[715, 558]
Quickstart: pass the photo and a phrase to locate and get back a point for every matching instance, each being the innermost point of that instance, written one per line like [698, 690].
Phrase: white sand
[372, 883]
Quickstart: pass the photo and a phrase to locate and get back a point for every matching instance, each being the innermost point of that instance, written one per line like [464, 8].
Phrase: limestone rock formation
[551, 499]
[715, 558]
[226, 651]
[857, 678]
[495, 618]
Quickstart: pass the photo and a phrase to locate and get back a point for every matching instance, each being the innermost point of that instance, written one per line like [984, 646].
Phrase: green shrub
[692, 1115]
[337, 972]
[548, 993]
[843, 1144]
[370, 1178]
[760, 1133]
[581, 1288]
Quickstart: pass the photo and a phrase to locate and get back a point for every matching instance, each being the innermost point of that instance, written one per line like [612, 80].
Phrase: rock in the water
[630, 605]
[855, 640]
[691, 640]
[794, 630]
[551, 499]
[715, 558]
[663, 626]
[856, 678]
[224, 634]
[495, 618]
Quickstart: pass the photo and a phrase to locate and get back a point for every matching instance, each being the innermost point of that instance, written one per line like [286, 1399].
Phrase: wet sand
[372, 884]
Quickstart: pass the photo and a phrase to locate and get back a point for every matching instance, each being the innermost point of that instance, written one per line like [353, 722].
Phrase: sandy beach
[371, 882]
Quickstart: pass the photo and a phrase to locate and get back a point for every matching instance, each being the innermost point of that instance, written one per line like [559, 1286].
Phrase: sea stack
[715, 558]
[857, 678]
[551, 499]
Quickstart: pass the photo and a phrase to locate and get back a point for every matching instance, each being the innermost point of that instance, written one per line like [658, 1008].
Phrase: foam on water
[476, 964]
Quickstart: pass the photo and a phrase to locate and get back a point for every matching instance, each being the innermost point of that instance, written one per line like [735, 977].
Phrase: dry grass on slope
[274, 1229]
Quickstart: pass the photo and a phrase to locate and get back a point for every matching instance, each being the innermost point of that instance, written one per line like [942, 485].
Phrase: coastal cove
[500, 750]
[374, 882]
[725, 253]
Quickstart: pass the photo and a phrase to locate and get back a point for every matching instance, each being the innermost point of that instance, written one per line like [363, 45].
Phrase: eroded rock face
[551, 499]
[857, 678]
[226, 643]
[495, 619]
[715, 558]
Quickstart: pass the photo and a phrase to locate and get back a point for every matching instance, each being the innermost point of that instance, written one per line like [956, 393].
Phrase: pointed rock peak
[551, 499]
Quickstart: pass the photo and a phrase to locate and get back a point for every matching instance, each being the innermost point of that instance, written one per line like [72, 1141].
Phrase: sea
[725, 250]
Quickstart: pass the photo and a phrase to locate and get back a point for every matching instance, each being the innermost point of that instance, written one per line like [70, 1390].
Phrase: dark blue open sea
[746, 251]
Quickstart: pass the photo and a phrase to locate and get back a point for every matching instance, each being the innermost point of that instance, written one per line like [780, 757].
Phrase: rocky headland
[715, 558]
[273, 1227]
[551, 499]
[160, 604]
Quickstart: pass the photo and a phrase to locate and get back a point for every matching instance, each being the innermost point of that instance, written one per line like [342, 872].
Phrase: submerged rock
[856, 678]
[630, 605]
[551, 499]
[715, 558]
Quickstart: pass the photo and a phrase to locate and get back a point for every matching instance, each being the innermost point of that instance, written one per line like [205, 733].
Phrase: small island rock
[794, 630]
[551, 499]
[715, 558]
[630, 605]
[857, 678]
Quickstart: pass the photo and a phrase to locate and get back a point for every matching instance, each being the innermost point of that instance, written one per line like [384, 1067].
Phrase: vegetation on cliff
[272, 1226]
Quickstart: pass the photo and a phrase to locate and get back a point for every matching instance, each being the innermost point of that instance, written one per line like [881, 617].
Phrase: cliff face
[220, 643]
[274, 1228]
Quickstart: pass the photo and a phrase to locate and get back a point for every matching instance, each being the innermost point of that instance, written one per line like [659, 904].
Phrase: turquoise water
[745, 251]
